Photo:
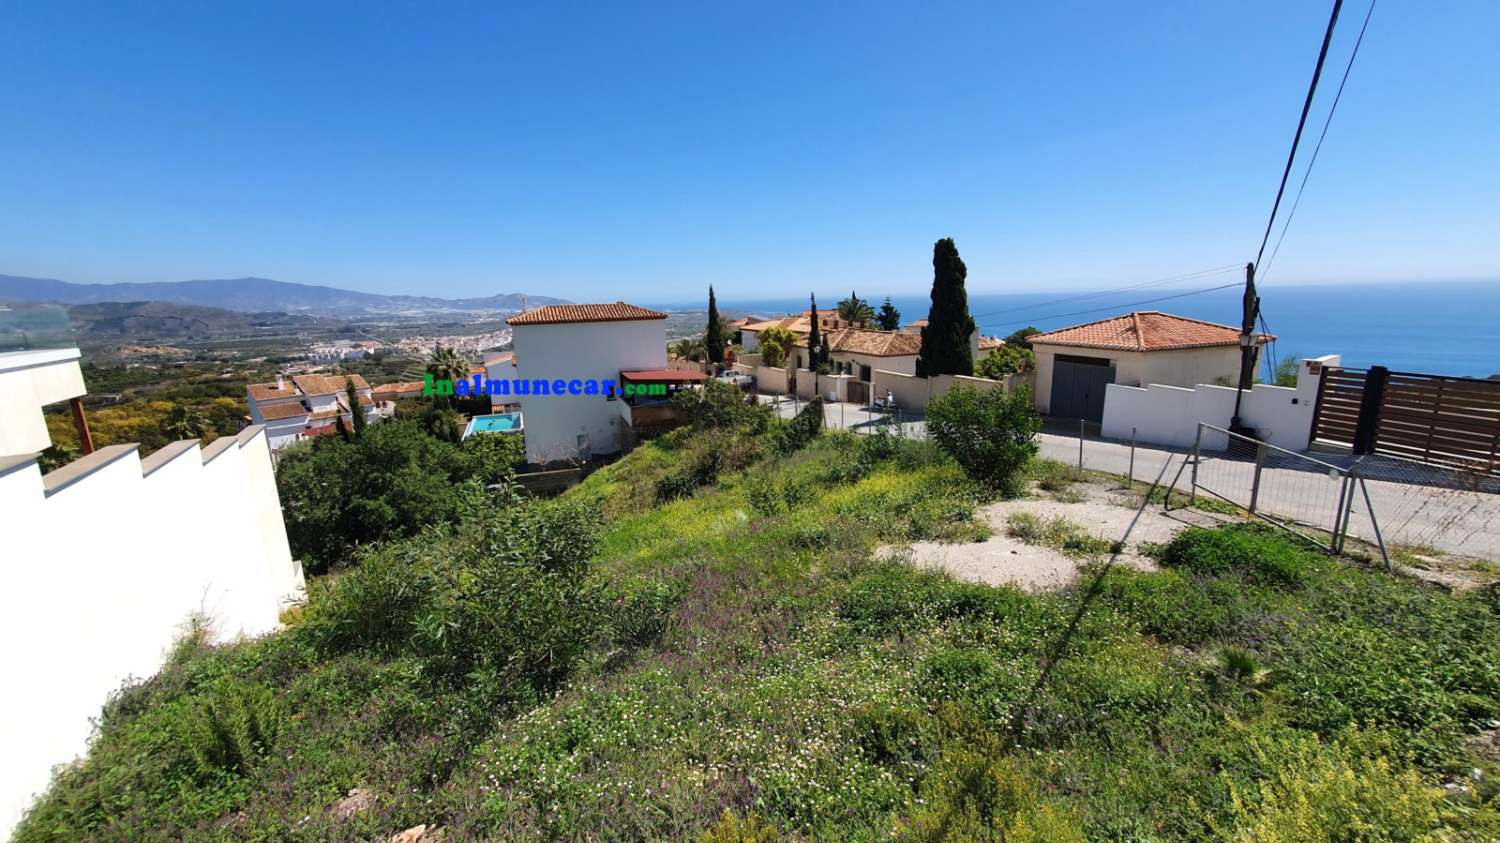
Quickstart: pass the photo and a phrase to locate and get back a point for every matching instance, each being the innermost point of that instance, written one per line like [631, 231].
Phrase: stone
[358, 801]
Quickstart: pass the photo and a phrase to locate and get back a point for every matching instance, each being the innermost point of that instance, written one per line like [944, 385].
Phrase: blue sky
[645, 150]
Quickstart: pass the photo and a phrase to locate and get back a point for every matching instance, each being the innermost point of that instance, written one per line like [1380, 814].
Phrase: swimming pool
[495, 423]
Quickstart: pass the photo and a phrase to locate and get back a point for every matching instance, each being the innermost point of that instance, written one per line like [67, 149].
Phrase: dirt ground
[1097, 505]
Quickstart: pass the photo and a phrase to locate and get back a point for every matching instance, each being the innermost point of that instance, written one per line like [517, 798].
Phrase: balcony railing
[27, 327]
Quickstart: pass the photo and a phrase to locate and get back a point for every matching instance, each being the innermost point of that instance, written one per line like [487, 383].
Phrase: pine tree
[889, 318]
[713, 339]
[814, 336]
[945, 340]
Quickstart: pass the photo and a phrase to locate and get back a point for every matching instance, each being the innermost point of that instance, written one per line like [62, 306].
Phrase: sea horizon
[1437, 327]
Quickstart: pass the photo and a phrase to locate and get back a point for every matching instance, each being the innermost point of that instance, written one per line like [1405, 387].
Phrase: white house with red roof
[582, 342]
[1075, 364]
[307, 405]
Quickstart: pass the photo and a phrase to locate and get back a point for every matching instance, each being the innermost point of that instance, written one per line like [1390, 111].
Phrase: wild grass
[734, 665]
[1059, 534]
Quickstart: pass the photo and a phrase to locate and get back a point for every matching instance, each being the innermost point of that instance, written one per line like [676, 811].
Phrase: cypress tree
[814, 337]
[713, 339]
[945, 340]
[889, 318]
[356, 415]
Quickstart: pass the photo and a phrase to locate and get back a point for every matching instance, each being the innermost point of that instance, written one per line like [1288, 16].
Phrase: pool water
[496, 423]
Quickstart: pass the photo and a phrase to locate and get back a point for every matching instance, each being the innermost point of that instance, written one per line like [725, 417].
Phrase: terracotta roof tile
[872, 343]
[987, 343]
[291, 409]
[327, 384]
[1146, 330]
[269, 392]
[555, 314]
[387, 390]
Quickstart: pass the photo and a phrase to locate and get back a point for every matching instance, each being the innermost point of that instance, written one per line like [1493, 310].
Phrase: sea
[1435, 327]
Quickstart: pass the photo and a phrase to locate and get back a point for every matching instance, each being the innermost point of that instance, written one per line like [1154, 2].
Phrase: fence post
[1340, 523]
[1370, 402]
[1130, 474]
[1080, 444]
[1260, 463]
[1193, 491]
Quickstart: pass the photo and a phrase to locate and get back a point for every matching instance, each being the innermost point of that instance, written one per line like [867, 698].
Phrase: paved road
[1411, 506]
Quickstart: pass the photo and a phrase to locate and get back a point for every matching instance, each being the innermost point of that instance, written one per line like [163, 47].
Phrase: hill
[251, 295]
[704, 641]
[148, 322]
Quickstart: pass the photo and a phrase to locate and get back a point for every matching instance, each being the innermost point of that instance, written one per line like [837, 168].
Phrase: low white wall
[106, 564]
[913, 393]
[1169, 415]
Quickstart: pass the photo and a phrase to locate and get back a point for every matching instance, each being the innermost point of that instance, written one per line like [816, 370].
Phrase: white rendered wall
[1169, 415]
[106, 571]
[581, 350]
[28, 381]
[1184, 367]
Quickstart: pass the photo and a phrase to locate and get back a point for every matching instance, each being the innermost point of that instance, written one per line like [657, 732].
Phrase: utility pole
[1250, 311]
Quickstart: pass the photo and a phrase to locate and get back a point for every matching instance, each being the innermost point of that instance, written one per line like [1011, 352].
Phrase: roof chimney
[280, 381]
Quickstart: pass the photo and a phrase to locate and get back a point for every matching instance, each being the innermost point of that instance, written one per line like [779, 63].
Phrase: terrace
[645, 397]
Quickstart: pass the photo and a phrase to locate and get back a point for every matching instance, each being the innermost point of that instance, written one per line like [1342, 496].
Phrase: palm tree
[184, 422]
[688, 349]
[855, 309]
[447, 364]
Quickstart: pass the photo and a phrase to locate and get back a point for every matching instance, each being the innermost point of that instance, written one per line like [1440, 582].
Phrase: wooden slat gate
[1428, 418]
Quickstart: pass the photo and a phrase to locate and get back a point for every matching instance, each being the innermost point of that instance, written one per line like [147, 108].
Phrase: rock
[420, 834]
[358, 801]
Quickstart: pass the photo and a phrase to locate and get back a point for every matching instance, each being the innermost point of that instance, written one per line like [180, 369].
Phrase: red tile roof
[555, 314]
[328, 384]
[1146, 330]
[987, 343]
[872, 343]
[269, 392]
[290, 409]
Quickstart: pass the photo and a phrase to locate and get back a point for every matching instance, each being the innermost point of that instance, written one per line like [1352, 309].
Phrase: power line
[1157, 283]
[1312, 88]
[1311, 162]
[1117, 306]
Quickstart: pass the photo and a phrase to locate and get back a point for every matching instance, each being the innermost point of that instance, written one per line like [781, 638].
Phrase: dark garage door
[1078, 387]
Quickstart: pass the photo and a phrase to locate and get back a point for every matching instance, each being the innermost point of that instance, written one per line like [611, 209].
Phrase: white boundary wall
[913, 393]
[1169, 415]
[105, 561]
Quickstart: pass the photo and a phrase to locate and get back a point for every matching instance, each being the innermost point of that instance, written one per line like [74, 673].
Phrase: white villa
[307, 405]
[109, 556]
[616, 342]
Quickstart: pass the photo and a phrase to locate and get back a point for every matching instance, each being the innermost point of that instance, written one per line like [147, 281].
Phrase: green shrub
[1251, 552]
[641, 613]
[720, 405]
[1336, 791]
[992, 435]
[503, 601]
[977, 797]
[395, 479]
[732, 829]
[802, 429]
[230, 727]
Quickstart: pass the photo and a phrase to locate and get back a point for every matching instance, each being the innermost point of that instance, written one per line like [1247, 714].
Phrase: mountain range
[255, 295]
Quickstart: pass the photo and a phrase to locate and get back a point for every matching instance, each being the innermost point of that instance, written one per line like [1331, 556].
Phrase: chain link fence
[1387, 502]
[1428, 509]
